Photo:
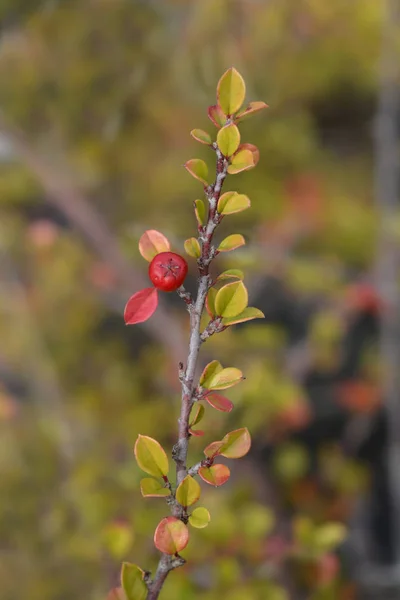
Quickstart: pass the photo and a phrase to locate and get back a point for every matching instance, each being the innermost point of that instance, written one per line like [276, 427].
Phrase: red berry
[167, 271]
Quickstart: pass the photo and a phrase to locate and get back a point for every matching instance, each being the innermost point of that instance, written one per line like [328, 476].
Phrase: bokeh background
[97, 99]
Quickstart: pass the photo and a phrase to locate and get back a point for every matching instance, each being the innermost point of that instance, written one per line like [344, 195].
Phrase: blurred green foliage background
[97, 99]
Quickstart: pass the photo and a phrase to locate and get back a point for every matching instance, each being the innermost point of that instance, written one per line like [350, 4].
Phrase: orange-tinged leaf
[251, 109]
[228, 139]
[196, 432]
[216, 115]
[132, 582]
[201, 136]
[241, 161]
[198, 169]
[200, 211]
[232, 202]
[231, 91]
[231, 242]
[171, 535]
[231, 299]
[210, 301]
[248, 314]
[231, 274]
[188, 491]
[196, 414]
[152, 488]
[141, 306]
[236, 443]
[219, 402]
[192, 247]
[151, 457]
[152, 243]
[209, 371]
[253, 149]
[225, 379]
[116, 594]
[200, 517]
[215, 475]
[212, 449]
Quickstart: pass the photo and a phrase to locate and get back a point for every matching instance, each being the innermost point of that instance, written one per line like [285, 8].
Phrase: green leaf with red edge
[251, 109]
[231, 274]
[141, 306]
[152, 243]
[196, 432]
[228, 140]
[116, 594]
[132, 582]
[200, 211]
[236, 240]
[236, 443]
[225, 379]
[198, 169]
[219, 402]
[232, 202]
[231, 299]
[209, 372]
[200, 517]
[152, 488]
[151, 457]
[212, 449]
[197, 413]
[188, 491]
[241, 161]
[215, 475]
[248, 314]
[253, 149]
[201, 136]
[216, 115]
[231, 90]
[210, 301]
[171, 536]
[192, 247]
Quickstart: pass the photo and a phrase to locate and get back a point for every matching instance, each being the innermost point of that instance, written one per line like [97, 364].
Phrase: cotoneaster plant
[225, 299]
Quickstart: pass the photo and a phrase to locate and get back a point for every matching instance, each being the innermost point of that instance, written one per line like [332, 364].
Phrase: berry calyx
[167, 271]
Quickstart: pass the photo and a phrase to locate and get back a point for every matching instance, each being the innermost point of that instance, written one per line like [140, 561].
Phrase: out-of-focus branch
[387, 262]
[71, 202]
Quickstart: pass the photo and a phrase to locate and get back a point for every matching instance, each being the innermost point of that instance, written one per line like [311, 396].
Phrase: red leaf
[171, 535]
[141, 306]
[216, 115]
[219, 402]
[196, 432]
[215, 475]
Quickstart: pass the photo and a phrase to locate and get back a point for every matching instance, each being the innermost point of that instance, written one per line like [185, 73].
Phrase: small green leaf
[196, 414]
[188, 491]
[216, 115]
[228, 140]
[231, 91]
[231, 299]
[150, 456]
[241, 161]
[201, 136]
[236, 443]
[215, 475]
[198, 169]
[192, 247]
[132, 582]
[251, 109]
[231, 274]
[209, 372]
[152, 488]
[224, 379]
[248, 314]
[231, 242]
[171, 536]
[232, 202]
[210, 301]
[152, 243]
[200, 211]
[200, 517]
